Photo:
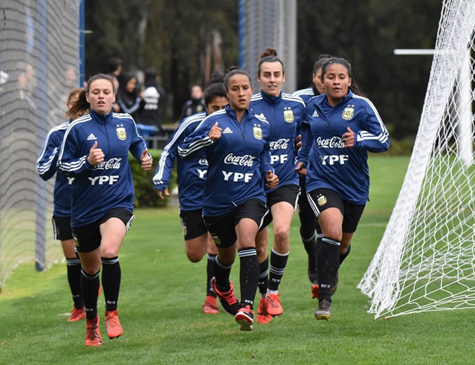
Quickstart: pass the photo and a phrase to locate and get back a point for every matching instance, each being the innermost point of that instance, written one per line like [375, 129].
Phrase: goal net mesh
[39, 62]
[426, 258]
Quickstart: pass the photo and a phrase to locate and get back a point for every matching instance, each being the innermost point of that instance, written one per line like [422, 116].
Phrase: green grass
[162, 294]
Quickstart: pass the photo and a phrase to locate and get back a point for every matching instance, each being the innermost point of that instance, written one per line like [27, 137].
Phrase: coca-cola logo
[246, 160]
[113, 163]
[334, 142]
[280, 144]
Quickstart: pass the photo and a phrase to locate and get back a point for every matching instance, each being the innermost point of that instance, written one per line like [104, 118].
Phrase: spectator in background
[113, 67]
[194, 105]
[26, 86]
[154, 97]
[129, 97]
[115, 104]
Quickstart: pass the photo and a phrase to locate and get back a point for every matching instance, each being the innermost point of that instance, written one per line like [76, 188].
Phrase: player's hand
[301, 169]
[146, 160]
[349, 138]
[215, 132]
[96, 156]
[298, 141]
[271, 179]
[161, 193]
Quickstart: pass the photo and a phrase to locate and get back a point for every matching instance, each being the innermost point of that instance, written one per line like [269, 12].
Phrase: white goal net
[426, 259]
[39, 62]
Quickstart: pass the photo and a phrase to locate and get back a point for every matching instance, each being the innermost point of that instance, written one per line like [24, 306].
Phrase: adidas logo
[91, 137]
[315, 114]
[227, 130]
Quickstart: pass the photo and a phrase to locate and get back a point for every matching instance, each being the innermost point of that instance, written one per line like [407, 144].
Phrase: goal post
[255, 34]
[426, 258]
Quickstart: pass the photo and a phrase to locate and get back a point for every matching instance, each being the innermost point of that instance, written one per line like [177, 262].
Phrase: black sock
[249, 275]
[209, 275]
[111, 276]
[318, 246]
[309, 245]
[74, 279]
[90, 288]
[345, 255]
[278, 262]
[221, 273]
[327, 265]
[263, 276]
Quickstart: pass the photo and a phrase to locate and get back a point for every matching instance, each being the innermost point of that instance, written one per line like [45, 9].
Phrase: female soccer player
[95, 152]
[284, 114]
[340, 128]
[236, 142]
[191, 181]
[308, 222]
[46, 168]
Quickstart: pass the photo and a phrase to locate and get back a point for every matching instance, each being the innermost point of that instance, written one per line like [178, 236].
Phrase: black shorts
[222, 227]
[321, 199]
[286, 193]
[192, 223]
[88, 237]
[62, 228]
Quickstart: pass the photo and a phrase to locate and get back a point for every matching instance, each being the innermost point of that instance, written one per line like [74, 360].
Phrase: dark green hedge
[145, 192]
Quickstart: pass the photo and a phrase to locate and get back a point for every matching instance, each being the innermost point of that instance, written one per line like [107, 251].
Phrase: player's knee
[194, 256]
[281, 236]
[334, 233]
[261, 250]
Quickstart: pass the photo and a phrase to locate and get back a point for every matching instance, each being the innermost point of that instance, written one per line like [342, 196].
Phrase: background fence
[40, 63]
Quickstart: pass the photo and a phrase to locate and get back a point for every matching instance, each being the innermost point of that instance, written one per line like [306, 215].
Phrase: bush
[399, 148]
[145, 192]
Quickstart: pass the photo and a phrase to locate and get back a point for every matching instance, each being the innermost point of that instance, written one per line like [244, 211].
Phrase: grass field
[162, 293]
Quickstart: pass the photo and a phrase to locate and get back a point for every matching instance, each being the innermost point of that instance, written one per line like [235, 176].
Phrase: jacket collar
[342, 101]
[271, 99]
[104, 118]
[232, 113]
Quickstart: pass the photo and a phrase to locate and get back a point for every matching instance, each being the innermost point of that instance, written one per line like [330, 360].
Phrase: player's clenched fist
[96, 156]
[215, 132]
[272, 180]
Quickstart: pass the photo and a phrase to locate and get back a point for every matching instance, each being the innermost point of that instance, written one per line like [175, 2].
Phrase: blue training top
[97, 189]
[46, 168]
[237, 162]
[329, 164]
[191, 173]
[285, 115]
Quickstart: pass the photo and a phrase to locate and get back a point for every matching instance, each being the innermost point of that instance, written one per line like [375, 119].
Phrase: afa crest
[257, 131]
[288, 115]
[348, 112]
[121, 134]
[322, 200]
[215, 238]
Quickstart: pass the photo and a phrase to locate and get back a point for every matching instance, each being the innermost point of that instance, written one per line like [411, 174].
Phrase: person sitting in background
[194, 105]
[154, 97]
[129, 98]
